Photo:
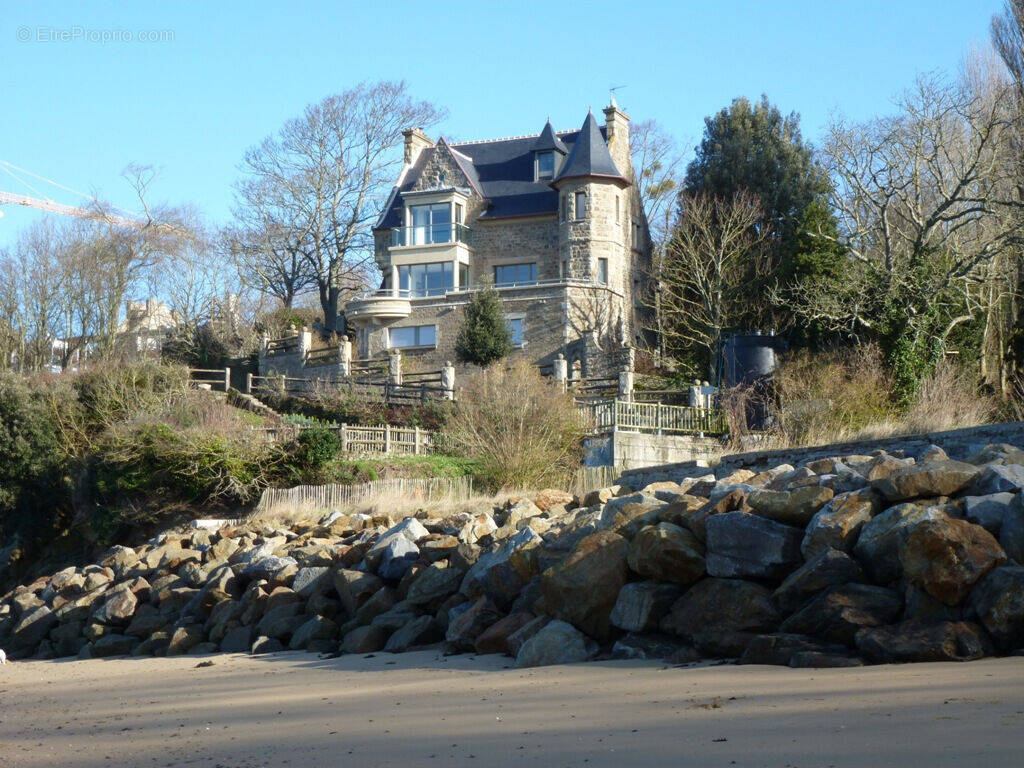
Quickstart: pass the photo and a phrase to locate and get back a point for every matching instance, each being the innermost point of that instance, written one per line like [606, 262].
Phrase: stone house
[553, 220]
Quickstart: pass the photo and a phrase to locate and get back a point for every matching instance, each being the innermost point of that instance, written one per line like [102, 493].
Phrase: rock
[317, 628]
[364, 640]
[311, 579]
[744, 545]
[667, 552]
[432, 586]
[269, 567]
[280, 621]
[29, 632]
[382, 600]
[927, 479]
[878, 546]
[838, 524]
[237, 640]
[396, 558]
[118, 608]
[641, 605]
[183, 638]
[923, 641]
[819, 660]
[947, 556]
[720, 616]
[1011, 532]
[653, 646]
[989, 511]
[778, 649]
[518, 639]
[839, 612]
[408, 531]
[829, 569]
[263, 645]
[999, 478]
[354, 587]
[790, 508]
[113, 645]
[600, 496]
[422, 630]
[501, 573]
[729, 502]
[558, 642]
[998, 602]
[582, 589]
[477, 528]
[145, 621]
[552, 497]
[495, 638]
[464, 629]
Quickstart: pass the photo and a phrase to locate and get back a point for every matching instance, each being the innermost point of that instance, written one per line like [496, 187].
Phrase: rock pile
[844, 560]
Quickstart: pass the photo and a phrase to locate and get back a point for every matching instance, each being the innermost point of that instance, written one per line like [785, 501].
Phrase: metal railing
[431, 234]
[632, 416]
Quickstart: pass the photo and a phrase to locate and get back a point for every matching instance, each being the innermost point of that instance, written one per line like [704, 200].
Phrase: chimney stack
[617, 128]
[415, 142]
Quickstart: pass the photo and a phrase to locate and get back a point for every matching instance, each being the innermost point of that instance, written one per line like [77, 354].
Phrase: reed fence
[306, 498]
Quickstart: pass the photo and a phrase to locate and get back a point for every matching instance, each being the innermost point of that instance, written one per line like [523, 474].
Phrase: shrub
[948, 398]
[317, 446]
[522, 430]
[484, 336]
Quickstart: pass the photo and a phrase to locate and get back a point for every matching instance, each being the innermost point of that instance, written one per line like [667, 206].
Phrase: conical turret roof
[589, 156]
[549, 140]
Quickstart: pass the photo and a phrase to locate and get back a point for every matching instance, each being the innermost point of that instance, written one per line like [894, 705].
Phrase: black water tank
[748, 357]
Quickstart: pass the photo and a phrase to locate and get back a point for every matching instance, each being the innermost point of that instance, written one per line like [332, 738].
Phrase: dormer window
[545, 165]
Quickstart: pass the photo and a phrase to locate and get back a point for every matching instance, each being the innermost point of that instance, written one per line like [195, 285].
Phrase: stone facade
[591, 264]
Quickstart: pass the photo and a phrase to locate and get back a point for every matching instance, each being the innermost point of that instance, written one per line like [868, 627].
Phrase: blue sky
[78, 111]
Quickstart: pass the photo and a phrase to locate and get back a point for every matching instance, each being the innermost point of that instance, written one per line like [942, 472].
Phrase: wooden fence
[326, 497]
[633, 416]
[382, 440]
[214, 378]
[413, 388]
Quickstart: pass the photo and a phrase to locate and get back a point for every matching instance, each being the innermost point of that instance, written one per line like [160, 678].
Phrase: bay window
[431, 223]
[426, 279]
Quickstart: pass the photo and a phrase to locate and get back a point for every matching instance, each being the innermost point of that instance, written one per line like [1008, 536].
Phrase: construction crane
[44, 203]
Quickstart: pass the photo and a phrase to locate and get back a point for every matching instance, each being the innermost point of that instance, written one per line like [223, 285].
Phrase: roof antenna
[612, 91]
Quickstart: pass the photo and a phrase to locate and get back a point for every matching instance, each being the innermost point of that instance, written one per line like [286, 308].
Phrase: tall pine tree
[484, 336]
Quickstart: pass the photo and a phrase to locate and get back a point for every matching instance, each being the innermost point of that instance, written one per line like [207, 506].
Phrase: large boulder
[311, 579]
[556, 643]
[354, 587]
[502, 572]
[118, 608]
[828, 569]
[396, 558]
[779, 649]
[988, 511]
[999, 478]
[408, 531]
[495, 639]
[666, 552]
[947, 556]
[790, 507]
[838, 524]
[744, 545]
[923, 641]
[878, 547]
[1011, 532]
[720, 616]
[367, 639]
[113, 645]
[316, 628]
[422, 630]
[432, 586]
[998, 602]
[29, 631]
[838, 613]
[642, 604]
[926, 480]
[465, 628]
[582, 589]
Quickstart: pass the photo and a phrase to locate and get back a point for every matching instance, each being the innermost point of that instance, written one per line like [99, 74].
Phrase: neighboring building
[145, 327]
[553, 221]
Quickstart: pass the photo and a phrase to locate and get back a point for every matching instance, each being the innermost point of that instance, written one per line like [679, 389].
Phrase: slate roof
[548, 140]
[501, 171]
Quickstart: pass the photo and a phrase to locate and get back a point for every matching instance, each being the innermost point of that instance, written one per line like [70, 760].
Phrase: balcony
[434, 234]
[379, 307]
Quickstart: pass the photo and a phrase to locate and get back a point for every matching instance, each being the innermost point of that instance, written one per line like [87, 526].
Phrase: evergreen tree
[484, 336]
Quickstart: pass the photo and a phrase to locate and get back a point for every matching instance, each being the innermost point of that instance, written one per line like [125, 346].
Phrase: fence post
[395, 367]
[344, 438]
[387, 439]
[626, 384]
[305, 344]
[227, 379]
[416, 441]
[657, 417]
[448, 380]
[577, 372]
[561, 371]
[248, 383]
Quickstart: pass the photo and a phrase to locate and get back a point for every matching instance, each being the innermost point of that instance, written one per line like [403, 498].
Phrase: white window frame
[416, 328]
[521, 317]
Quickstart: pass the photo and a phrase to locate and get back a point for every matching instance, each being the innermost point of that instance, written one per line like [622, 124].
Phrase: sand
[294, 709]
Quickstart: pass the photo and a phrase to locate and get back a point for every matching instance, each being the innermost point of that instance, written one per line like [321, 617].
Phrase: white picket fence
[306, 498]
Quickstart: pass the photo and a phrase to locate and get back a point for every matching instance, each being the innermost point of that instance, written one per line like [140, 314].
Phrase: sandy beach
[294, 709]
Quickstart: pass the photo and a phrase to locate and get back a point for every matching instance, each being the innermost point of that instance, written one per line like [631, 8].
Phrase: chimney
[415, 141]
[617, 127]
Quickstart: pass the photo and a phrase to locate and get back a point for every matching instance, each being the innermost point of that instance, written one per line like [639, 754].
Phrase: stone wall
[638, 450]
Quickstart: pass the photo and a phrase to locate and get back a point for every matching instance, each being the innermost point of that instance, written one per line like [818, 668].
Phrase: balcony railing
[430, 235]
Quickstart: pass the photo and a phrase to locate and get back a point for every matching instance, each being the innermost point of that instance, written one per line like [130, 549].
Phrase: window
[413, 336]
[431, 224]
[463, 276]
[545, 165]
[426, 279]
[561, 207]
[581, 205]
[458, 213]
[515, 328]
[515, 274]
[602, 271]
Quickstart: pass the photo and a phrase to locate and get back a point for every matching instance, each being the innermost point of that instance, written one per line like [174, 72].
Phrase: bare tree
[325, 175]
[1008, 38]
[714, 254]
